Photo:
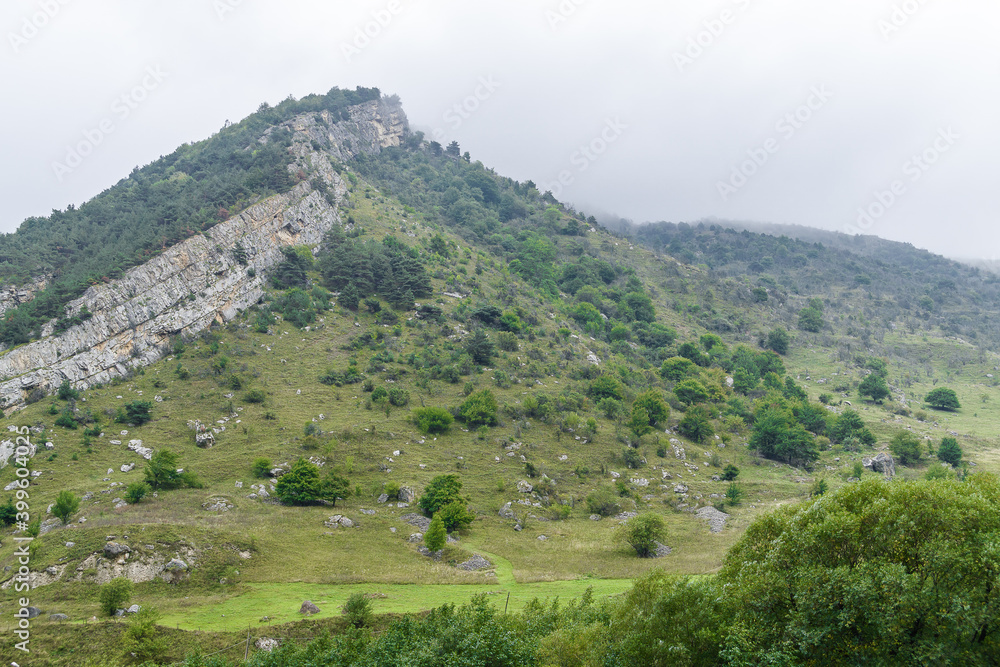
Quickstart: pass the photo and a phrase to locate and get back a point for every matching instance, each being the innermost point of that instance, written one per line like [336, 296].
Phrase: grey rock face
[135, 315]
[475, 563]
[882, 463]
[308, 608]
[114, 550]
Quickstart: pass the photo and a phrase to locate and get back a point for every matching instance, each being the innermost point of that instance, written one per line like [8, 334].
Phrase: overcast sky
[872, 116]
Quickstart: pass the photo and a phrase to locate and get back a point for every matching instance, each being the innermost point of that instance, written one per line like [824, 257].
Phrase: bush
[432, 420]
[949, 451]
[66, 391]
[358, 610]
[479, 409]
[136, 412]
[606, 386]
[455, 516]
[65, 506]
[135, 492]
[905, 447]
[730, 472]
[696, 425]
[398, 397]
[255, 396]
[302, 485]
[115, 595]
[8, 512]
[142, 638]
[436, 536]
[161, 472]
[379, 393]
[642, 533]
[734, 494]
[391, 490]
[603, 501]
[66, 420]
[632, 458]
[507, 341]
[261, 467]
[443, 490]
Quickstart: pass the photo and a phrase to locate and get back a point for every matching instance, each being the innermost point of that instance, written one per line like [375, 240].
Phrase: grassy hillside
[577, 316]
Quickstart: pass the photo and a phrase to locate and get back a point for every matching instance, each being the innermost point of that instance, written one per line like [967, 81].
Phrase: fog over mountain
[857, 116]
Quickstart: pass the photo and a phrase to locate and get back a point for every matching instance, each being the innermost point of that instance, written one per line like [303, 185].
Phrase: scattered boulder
[217, 505]
[524, 487]
[127, 467]
[266, 644]
[595, 517]
[383, 498]
[406, 495]
[506, 512]
[58, 617]
[661, 551]
[416, 537]
[475, 564]
[681, 489]
[277, 472]
[134, 609]
[203, 436]
[308, 608]
[882, 463]
[176, 564]
[114, 550]
[418, 520]
[716, 519]
[33, 612]
[339, 520]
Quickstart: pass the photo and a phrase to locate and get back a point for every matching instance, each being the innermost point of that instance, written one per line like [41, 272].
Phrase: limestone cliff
[200, 281]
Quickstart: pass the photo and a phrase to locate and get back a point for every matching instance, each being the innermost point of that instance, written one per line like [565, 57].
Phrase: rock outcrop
[200, 281]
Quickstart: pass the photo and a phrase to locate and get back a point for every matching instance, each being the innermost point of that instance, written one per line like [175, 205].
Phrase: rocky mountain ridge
[200, 280]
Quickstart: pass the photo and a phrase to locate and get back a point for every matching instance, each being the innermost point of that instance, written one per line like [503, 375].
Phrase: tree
[675, 369]
[162, 472]
[301, 485]
[850, 425]
[443, 490]
[135, 492]
[652, 402]
[949, 451]
[480, 348]
[65, 506]
[333, 488]
[436, 536]
[730, 472]
[432, 420]
[136, 412]
[639, 424]
[455, 516]
[777, 435]
[943, 398]
[874, 387]
[67, 392]
[358, 609]
[690, 392]
[873, 573]
[115, 595]
[142, 637]
[606, 386]
[643, 532]
[696, 424]
[349, 297]
[734, 494]
[479, 408]
[905, 447]
[811, 320]
[778, 340]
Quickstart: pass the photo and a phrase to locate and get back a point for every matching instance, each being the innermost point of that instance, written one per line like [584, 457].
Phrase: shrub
[161, 472]
[142, 638]
[479, 408]
[433, 420]
[734, 494]
[115, 595]
[135, 492]
[398, 397]
[8, 513]
[66, 421]
[632, 458]
[255, 396]
[642, 533]
[391, 489]
[443, 490]
[436, 536]
[358, 610]
[379, 393]
[905, 447]
[65, 506]
[261, 467]
[730, 472]
[606, 386]
[696, 425]
[690, 392]
[66, 391]
[136, 412]
[949, 451]
[507, 341]
[455, 516]
[603, 501]
[943, 398]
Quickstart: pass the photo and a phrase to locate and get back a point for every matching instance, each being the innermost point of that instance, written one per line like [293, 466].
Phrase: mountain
[325, 329]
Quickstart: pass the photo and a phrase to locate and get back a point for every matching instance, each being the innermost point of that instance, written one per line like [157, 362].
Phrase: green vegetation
[436, 535]
[115, 595]
[643, 533]
[66, 505]
[943, 398]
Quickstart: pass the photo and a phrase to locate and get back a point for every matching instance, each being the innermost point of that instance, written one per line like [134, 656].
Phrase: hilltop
[371, 275]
